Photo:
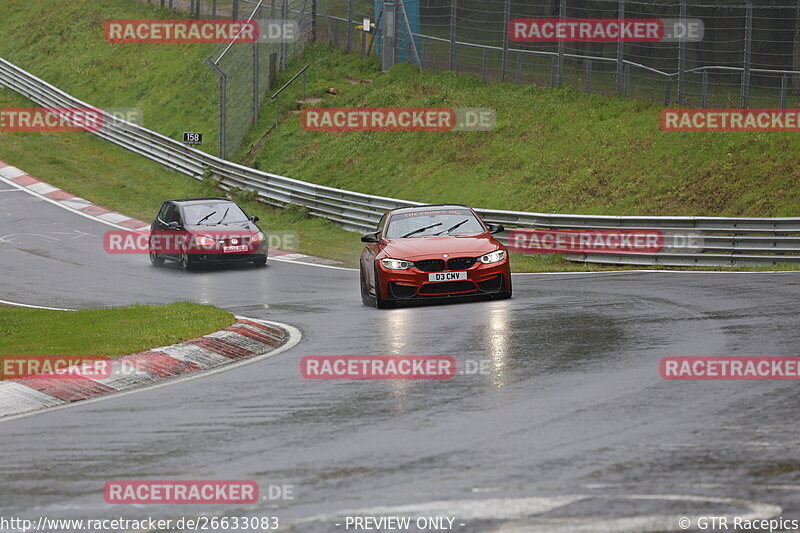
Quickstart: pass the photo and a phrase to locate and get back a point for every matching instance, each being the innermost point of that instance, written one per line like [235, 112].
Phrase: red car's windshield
[427, 223]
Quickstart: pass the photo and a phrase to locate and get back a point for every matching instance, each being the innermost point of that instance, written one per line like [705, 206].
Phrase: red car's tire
[366, 298]
[505, 294]
[381, 303]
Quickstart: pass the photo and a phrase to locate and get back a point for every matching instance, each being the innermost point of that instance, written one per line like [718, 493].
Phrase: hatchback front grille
[226, 240]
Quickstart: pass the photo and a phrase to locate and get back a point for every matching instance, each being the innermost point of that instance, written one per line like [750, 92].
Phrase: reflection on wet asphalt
[570, 409]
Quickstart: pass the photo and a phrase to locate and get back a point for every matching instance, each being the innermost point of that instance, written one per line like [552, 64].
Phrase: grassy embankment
[552, 150]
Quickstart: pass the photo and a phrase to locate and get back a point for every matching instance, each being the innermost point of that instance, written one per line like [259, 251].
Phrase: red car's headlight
[396, 264]
[492, 257]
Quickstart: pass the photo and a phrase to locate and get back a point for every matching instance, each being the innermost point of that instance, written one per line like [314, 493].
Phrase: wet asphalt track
[571, 427]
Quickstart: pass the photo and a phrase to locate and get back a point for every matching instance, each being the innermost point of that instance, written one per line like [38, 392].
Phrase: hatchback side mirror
[370, 237]
[496, 228]
[173, 225]
[254, 219]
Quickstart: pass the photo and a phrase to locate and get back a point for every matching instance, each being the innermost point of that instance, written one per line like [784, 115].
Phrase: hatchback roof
[428, 206]
[214, 199]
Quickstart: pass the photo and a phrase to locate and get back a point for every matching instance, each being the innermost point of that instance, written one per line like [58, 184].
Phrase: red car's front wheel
[381, 303]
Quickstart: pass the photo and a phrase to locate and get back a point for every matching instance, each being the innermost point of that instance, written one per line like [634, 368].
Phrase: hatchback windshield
[433, 222]
[216, 213]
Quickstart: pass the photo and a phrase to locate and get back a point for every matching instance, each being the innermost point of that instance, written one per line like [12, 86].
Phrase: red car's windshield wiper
[420, 230]
[448, 230]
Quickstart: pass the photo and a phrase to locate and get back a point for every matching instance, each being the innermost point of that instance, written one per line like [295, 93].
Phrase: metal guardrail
[727, 241]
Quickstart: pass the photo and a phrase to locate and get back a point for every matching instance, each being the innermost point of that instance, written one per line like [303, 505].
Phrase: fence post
[668, 92]
[748, 46]
[223, 97]
[588, 75]
[453, 11]
[562, 14]
[235, 9]
[313, 20]
[170, 4]
[506, 22]
[705, 89]
[349, 25]
[197, 9]
[255, 83]
[682, 58]
[213, 9]
[627, 79]
[485, 72]
[518, 74]
[282, 48]
[620, 48]
[272, 75]
[554, 71]
[784, 90]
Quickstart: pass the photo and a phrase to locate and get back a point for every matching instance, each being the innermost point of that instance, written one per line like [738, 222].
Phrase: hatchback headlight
[258, 237]
[204, 240]
[396, 264]
[492, 257]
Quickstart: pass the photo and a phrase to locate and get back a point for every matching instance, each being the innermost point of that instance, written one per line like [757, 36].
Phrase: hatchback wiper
[224, 215]
[454, 227]
[205, 218]
[420, 230]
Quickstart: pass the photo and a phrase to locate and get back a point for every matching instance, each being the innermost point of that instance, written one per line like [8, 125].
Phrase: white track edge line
[30, 306]
[61, 205]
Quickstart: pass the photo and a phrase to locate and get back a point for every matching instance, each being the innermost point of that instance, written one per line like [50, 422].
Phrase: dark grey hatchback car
[206, 230]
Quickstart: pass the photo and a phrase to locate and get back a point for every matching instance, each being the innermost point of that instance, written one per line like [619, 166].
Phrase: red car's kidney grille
[460, 263]
[430, 265]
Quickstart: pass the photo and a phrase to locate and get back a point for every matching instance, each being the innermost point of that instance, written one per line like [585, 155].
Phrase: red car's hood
[433, 247]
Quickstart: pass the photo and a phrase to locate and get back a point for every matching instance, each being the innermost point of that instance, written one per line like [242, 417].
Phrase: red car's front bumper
[414, 283]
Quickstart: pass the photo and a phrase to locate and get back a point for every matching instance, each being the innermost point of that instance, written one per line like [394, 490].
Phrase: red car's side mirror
[496, 228]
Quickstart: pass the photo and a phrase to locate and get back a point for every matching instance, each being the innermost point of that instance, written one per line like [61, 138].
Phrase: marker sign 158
[192, 138]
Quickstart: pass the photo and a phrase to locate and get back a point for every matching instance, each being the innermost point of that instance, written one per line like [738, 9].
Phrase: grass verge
[105, 332]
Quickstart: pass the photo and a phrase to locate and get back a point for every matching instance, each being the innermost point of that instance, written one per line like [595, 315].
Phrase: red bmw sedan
[433, 251]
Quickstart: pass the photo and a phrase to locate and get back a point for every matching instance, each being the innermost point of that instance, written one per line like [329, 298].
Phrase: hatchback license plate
[447, 276]
[233, 249]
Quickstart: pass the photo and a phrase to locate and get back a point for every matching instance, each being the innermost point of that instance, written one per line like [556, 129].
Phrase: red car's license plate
[447, 276]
